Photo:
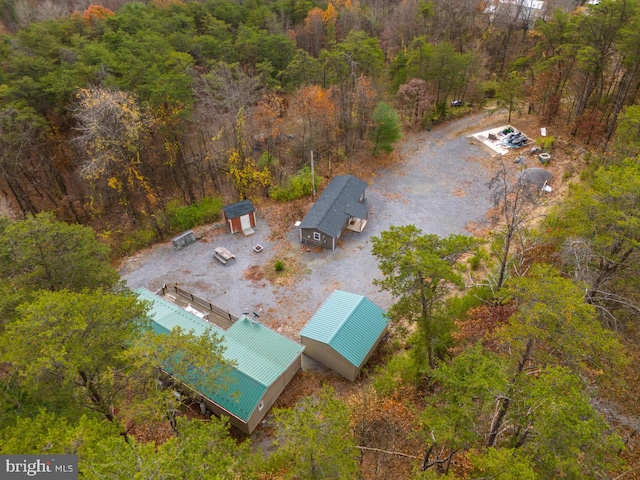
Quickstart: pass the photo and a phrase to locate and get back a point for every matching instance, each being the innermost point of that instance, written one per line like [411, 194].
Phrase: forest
[124, 123]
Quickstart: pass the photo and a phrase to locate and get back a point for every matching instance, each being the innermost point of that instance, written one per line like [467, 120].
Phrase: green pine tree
[387, 128]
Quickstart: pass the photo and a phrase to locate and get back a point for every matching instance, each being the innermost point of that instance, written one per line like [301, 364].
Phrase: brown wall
[328, 356]
[272, 394]
[235, 225]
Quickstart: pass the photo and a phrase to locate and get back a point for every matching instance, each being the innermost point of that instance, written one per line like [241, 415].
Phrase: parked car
[457, 103]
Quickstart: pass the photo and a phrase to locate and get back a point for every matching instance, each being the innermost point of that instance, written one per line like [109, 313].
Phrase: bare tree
[459, 22]
[516, 197]
[416, 100]
[221, 95]
[19, 131]
[226, 90]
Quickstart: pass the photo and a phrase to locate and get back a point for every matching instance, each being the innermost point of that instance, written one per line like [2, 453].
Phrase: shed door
[245, 222]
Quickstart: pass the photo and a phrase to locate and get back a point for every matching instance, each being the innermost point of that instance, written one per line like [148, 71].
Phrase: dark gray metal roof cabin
[341, 206]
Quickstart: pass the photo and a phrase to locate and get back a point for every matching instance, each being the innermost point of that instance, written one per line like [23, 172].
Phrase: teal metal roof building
[344, 332]
[265, 361]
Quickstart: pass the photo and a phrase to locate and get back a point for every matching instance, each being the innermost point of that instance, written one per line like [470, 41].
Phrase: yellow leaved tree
[243, 171]
[113, 129]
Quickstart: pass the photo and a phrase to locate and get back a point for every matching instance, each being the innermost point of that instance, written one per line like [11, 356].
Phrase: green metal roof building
[344, 332]
[265, 361]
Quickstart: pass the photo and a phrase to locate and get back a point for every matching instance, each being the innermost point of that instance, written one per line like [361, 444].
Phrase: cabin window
[260, 405]
[316, 236]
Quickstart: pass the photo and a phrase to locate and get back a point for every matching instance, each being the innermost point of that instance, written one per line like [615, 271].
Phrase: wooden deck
[357, 224]
[199, 307]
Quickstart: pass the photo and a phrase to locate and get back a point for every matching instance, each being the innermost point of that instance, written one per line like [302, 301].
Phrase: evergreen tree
[386, 131]
[315, 440]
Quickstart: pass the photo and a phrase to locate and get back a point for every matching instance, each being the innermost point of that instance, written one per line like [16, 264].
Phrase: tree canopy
[124, 122]
[40, 253]
[418, 269]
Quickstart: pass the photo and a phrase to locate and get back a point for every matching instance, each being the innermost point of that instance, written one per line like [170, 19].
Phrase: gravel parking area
[439, 185]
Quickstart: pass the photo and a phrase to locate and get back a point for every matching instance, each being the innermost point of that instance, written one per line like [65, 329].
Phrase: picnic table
[223, 255]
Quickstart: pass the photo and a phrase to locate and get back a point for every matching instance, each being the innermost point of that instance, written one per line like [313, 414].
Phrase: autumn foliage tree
[416, 101]
[245, 174]
[270, 114]
[313, 36]
[316, 110]
[383, 429]
[112, 130]
[95, 13]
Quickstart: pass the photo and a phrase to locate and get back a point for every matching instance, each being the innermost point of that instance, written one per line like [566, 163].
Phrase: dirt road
[440, 185]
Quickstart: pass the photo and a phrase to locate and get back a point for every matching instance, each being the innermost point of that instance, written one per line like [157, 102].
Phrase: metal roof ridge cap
[245, 374]
[237, 368]
[264, 327]
[262, 358]
[353, 309]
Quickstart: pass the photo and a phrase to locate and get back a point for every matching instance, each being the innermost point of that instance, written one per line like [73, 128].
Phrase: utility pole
[313, 178]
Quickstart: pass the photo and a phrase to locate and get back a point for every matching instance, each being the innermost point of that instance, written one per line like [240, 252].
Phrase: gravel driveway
[440, 186]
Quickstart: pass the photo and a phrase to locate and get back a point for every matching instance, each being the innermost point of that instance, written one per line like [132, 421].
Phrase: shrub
[457, 307]
[184, 217]
[476, 260]
[400, 366]
[267, 161]
[279, 265]
[295, 187]
[134, 241]
[546, 142]
[490, 89]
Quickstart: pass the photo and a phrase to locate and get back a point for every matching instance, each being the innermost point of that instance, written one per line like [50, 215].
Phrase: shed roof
[348, 323]
[339, 200]
[261, 355]
[239, 209]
